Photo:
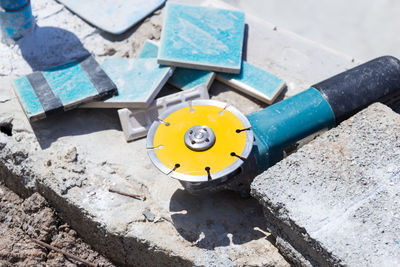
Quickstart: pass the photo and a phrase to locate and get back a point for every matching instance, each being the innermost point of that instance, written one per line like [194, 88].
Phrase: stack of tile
[197, 45]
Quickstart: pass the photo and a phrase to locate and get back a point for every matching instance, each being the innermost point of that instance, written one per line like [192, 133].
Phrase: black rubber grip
[377, 80]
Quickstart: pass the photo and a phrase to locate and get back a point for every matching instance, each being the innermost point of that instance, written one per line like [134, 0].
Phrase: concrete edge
[302, 250]
[114, 246]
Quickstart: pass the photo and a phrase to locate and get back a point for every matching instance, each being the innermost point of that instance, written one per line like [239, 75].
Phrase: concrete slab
[182, 78]
[138, 82]
[336, 201]
[202, 38]
[73, 159]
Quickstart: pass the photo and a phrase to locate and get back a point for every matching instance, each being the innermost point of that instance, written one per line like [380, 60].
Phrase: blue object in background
[113, 16]
[202, 38]
[254, 81]
[12, 5]
[182, 78]
[15, 18]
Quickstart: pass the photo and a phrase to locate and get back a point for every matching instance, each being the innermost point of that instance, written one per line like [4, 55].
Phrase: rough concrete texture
[337, 199]
[74, 159]
[22, 220]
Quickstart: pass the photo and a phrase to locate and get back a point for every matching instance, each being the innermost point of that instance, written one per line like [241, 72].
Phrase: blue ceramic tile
[63, 79]
[149, 50]
[114, 16]
[27, 97]
[62, 88]
[254, 81]
[182, 78]
[202, 38]
[138, 82]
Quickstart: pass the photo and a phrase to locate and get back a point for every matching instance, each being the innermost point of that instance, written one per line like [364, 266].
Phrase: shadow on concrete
[216, 220]
[73, 123]
[46, 47]
[128, 33]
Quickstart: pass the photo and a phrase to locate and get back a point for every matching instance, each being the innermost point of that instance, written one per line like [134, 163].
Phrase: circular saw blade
[169, 151]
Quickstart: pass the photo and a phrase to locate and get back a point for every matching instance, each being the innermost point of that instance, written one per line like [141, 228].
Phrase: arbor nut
[199, 138]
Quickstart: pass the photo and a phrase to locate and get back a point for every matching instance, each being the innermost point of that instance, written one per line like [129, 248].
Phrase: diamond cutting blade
[200, 141]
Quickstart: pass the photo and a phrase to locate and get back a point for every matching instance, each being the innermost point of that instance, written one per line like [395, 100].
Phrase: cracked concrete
[75, 158]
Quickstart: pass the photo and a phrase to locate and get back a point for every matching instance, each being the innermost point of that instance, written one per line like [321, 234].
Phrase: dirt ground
[21, 220]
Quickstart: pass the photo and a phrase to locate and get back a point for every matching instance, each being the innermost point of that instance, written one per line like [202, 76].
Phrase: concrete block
[336, 201]
[138, 82]
[113, 16]
[202, 38]
[182, 78]
[254, 81]
[62, 88]
[135, 123]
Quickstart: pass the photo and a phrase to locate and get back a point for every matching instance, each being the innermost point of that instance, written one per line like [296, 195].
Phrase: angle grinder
[211, 146]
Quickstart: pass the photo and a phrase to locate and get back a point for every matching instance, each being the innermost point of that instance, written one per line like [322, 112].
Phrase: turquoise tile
[27, 97]
[149, 50]
[63, 87]
[254, 81]
[202, 38]
[64, 80]
[138, 82]
[182, 78]
[186, 79]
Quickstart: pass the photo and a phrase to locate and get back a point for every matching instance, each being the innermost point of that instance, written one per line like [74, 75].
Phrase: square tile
[114, 16]
[202, 38]
[62, 88]
[182, 78]
[255, 82]
[138, 82]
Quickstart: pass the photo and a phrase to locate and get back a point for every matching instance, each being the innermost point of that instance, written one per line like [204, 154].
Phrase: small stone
[149, 215]
[79, 169]
[108, 169]
[71, 155]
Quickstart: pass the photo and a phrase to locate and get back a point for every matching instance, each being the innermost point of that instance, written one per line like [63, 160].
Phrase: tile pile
[197, 45]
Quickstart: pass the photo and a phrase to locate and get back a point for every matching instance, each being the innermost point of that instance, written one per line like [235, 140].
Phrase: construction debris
[63, 88]
[135, 123]
[183, 78]
[138, 82]
[202, 38]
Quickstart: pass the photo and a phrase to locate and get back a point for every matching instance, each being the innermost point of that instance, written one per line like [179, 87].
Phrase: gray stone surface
[337, 199]
[73, 159]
